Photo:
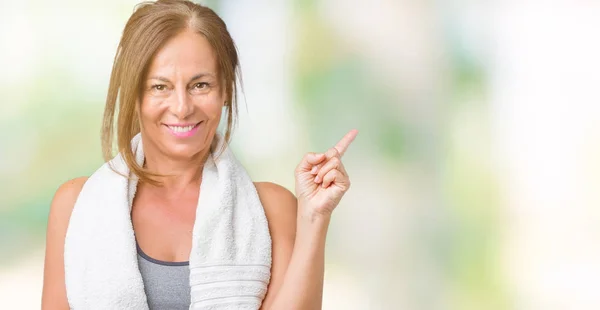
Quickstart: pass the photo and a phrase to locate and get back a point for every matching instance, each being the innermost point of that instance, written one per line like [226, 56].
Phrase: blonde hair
[147, 30]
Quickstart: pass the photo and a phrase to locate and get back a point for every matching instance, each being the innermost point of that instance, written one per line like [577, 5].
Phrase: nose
[182, 106]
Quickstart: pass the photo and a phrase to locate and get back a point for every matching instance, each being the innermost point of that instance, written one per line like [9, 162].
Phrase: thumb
[309, 160]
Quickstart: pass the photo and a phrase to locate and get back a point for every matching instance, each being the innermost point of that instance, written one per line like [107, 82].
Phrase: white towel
[230, 259]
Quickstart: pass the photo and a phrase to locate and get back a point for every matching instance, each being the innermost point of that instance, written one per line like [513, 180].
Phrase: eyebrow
[195, 77]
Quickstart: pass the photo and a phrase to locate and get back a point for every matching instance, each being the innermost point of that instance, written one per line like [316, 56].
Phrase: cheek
[150, 111]
[212, 106]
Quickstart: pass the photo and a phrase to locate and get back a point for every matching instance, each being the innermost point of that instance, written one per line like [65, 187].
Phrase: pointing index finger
[342, 146]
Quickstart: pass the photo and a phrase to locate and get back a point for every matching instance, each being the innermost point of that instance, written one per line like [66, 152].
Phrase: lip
[186, 134]
[183, 124]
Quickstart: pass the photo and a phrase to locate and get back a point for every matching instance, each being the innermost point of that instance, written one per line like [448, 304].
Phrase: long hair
[150, 26]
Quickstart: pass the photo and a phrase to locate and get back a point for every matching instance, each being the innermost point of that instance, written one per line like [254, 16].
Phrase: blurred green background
[475, 172]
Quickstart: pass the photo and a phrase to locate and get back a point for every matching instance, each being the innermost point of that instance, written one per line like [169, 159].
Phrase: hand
[322, 180]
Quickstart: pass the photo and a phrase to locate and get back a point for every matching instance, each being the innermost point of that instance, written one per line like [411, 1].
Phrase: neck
[178, 174]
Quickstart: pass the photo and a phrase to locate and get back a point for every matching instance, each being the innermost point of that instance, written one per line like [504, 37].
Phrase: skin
[182, 87]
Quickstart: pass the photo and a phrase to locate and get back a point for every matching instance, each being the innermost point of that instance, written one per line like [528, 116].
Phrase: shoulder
[64, 200]
[280, 206]
[53, 292]
[272, 192]
[276, 199]
[67, 193]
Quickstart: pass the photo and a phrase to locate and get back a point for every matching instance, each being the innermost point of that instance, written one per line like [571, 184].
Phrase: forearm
[302, 287]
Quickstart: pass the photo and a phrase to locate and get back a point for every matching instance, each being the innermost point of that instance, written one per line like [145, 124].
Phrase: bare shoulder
[54, 291]
[64, 201]
[67, 193]
[281, 207]
[278, 201]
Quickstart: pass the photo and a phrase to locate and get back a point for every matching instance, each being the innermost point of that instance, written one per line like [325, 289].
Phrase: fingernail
[317, 179]
[314, 170]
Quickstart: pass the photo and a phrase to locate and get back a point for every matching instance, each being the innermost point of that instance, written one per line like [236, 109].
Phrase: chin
[184, 151]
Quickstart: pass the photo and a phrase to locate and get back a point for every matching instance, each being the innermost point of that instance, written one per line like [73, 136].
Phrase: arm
[298, 251]
[321, 181]
[54, 294]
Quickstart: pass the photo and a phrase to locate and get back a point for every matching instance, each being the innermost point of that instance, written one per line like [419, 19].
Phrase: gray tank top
[166, 283]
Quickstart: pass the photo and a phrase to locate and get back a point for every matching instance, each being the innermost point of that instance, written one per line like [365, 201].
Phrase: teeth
[181, 129]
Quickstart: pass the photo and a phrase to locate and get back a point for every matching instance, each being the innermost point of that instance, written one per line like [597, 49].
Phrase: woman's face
[182, 98]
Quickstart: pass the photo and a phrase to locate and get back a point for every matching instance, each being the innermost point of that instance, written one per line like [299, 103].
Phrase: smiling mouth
[183, 128]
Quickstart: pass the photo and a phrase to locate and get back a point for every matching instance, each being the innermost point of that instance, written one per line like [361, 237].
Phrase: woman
[174, 73]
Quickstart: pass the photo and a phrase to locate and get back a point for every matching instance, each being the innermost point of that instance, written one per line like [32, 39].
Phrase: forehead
[188, 53]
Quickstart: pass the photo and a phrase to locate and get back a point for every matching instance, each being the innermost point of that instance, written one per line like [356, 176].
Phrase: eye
[159, 87]
[201, 85]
